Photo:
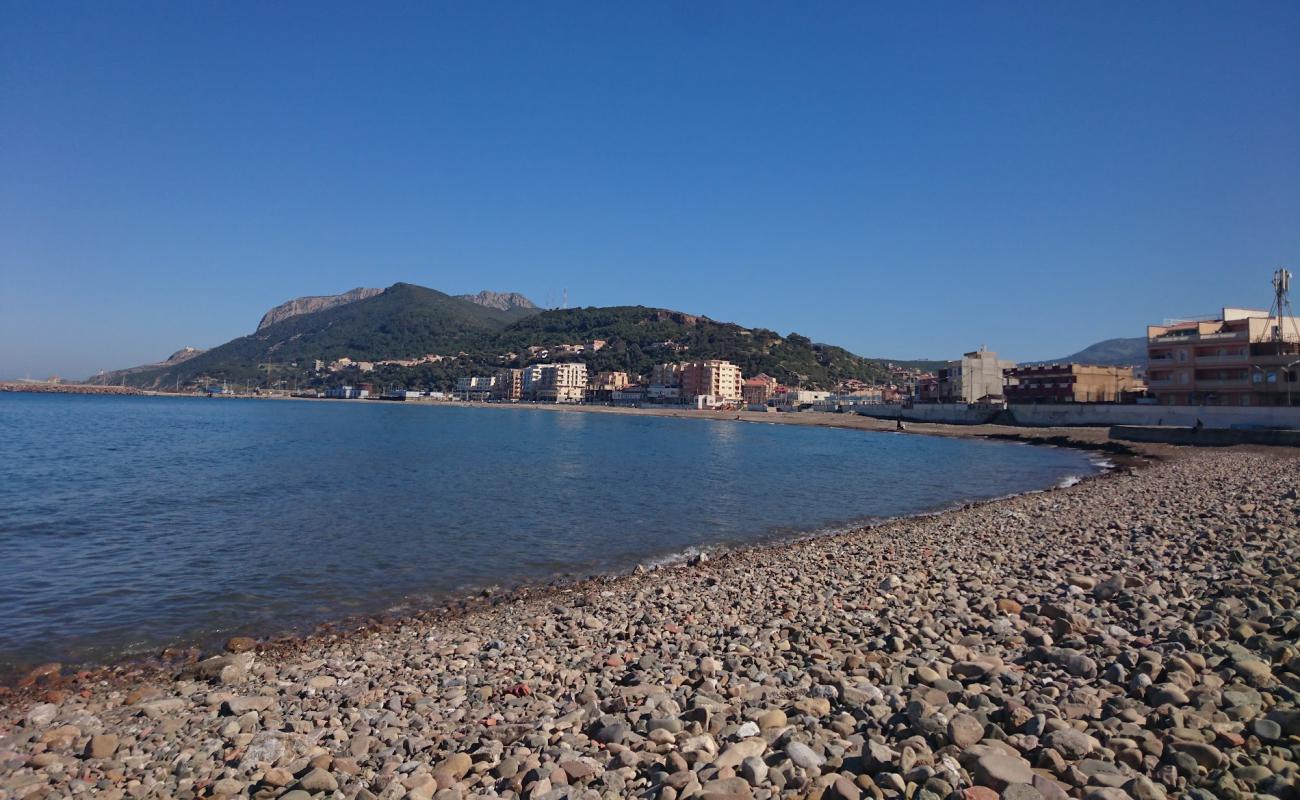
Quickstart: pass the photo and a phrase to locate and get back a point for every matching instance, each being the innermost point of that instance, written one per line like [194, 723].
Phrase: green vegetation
[637, 338]
[408, 321]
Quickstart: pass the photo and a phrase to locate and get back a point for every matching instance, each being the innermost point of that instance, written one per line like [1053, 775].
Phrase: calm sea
[128, 524]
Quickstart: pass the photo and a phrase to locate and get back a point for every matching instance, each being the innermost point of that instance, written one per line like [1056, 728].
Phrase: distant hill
[482, 333]
[1109, 353]
[637, 338]
[117, 376]
[312, 304]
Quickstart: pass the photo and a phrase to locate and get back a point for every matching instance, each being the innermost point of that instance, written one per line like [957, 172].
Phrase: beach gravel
[1133, 636]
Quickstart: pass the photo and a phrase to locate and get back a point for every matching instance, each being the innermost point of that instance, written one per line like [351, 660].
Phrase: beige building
[1069, 383]
[611, 381]
[713, 378]
[666, 375]
[509, 385]
[1244, 357]
[563, 383]
[977, 375]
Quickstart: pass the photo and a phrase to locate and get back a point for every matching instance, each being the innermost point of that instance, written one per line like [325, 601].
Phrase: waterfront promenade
[1130, 636]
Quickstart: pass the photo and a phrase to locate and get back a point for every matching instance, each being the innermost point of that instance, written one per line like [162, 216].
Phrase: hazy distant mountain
[502, 301]
[1109, 353]
[312, 304]
[116, 376]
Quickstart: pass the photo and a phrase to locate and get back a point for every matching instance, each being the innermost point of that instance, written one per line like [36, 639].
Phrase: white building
[347, 393]
[532, 381]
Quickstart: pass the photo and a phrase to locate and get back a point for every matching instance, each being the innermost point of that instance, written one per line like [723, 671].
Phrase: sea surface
[128, 524]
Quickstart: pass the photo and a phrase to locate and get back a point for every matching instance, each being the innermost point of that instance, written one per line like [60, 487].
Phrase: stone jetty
[1133, 636]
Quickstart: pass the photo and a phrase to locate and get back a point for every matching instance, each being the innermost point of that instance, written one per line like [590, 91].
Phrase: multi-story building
[531, 381]
[1069, 383]
[477, 387]
[1243, 357]
[509, 385]
[666, 375]
[604, 385]
[976, 376]
[347, 393]
[713, 378]
[563, 383]
[610, 381]
[756, 391]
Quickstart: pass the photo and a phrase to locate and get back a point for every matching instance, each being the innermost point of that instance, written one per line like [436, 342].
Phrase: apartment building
[477, 387]
[563, 383]
[713, 378]
[976, 376]
[610, 381]
[666, 375]
[1069, 383]
[531, 381]
[756, 391]
[1243, 357]
[509, 386]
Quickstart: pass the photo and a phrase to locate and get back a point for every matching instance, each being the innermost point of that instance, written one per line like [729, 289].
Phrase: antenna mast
[1282, 304]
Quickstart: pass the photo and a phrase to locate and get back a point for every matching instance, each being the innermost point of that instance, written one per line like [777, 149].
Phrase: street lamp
[1289, 381]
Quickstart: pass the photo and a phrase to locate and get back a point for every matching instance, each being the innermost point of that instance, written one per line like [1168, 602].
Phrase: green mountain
[403, 321]
[407, 321]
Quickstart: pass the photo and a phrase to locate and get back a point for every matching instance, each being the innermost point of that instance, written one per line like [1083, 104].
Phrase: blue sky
[910, 180]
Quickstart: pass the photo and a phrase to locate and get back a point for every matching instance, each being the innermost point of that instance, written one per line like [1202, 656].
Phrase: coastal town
[1241, 358]
[649, 401]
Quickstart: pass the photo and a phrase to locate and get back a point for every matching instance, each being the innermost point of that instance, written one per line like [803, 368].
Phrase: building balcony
[1194, 338]
[1208, 359]
[1221, 383]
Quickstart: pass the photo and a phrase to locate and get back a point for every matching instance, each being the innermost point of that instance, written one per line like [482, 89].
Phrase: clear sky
[907, 180]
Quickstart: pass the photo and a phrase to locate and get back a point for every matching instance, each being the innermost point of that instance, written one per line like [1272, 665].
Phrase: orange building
[713, 378]
[1245, 357]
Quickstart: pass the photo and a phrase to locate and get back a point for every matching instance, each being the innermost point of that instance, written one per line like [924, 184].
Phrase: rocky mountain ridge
[502, 301]
[312, 304]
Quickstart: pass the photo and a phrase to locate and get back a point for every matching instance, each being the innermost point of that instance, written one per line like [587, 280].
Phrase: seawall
[1093, 415]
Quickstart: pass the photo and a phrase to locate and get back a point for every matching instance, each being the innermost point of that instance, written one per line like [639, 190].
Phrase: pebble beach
[1131, 636]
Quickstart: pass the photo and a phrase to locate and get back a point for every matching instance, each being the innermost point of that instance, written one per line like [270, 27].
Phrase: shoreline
[174, 657]
[1007, 589]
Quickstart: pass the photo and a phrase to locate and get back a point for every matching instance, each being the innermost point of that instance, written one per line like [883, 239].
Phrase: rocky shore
[65, 388]
[1130, 636]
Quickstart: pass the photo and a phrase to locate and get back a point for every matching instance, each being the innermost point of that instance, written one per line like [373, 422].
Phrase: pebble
[1131, 636]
